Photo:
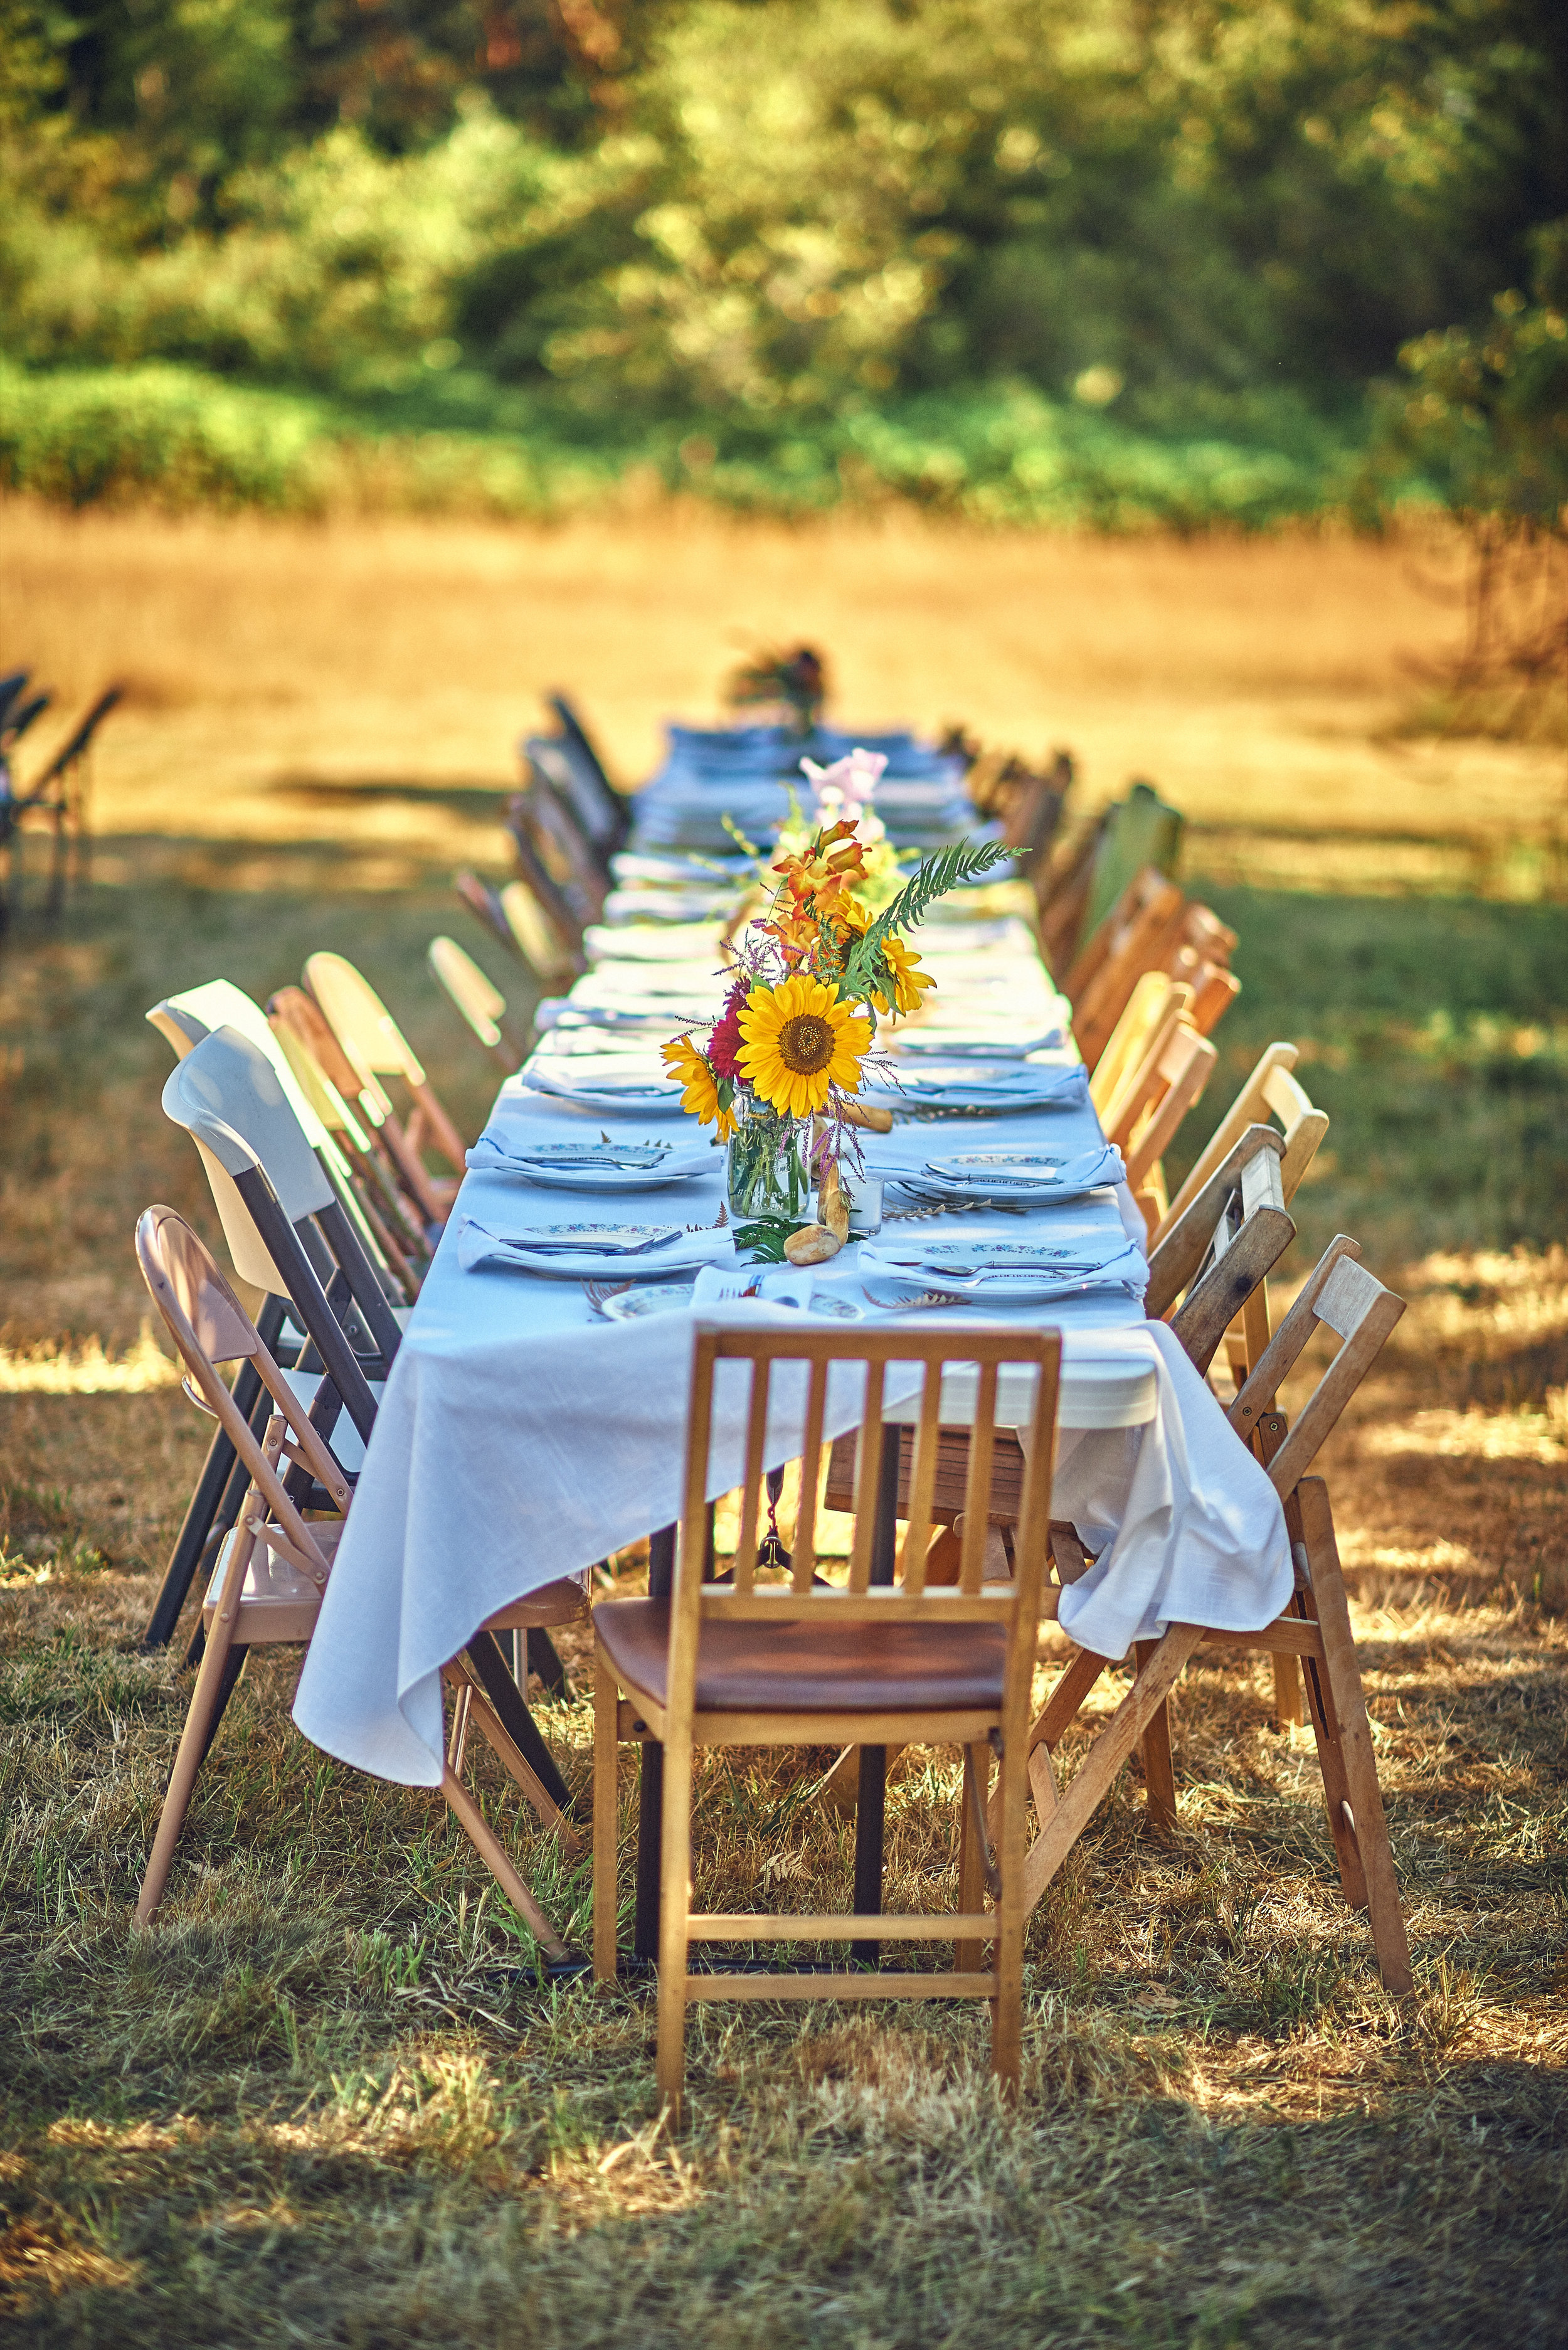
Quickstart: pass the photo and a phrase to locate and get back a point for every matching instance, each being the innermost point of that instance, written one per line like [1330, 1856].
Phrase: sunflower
[910, 981]
[800, 1039]
[699, 1092]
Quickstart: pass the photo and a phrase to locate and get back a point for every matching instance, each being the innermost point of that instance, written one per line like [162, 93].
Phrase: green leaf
[949, 869]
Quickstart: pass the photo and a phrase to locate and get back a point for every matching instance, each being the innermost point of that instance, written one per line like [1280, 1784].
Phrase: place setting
[1012, 1180]
[973, 1086]
[998, 1271]
[610, 1164]
[578, 1251]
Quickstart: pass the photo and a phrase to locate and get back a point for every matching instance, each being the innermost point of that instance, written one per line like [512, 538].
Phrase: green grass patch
[1435, 1033]
[1001, 454]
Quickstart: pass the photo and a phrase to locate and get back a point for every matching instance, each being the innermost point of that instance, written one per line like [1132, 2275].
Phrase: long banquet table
[521, 1437]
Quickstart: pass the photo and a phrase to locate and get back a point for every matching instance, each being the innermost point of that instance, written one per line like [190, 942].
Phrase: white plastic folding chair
[261, 1170]
[481, 1004]
[378, 1048]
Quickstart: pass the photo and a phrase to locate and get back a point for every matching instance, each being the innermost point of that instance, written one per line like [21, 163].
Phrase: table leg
[870, 1808]
[868, 1816]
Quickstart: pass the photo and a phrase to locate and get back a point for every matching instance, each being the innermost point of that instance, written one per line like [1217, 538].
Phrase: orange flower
[831, 866]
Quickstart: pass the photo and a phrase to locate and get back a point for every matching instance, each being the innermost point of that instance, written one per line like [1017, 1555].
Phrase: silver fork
[596, 1291]
[923, 1304]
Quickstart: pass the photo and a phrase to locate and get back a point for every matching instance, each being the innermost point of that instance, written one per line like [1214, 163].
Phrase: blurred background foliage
[1109, 261]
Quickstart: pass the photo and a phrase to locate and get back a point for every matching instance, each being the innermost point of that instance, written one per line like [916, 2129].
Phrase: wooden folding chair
[559, 876]
[479, 1003]
[60, 794]
[876, 1660]
[377, 1047]
[274, 1563]
[604, 810]
[1062, 883]
[514, 916]
[1203, 1233]
[1152, 1104]
[1220, 1254]
[1156, 1000]
[186, 1020]
[1030, 803]
[1270, 1089]
[1343, 1297]
[1142, 930]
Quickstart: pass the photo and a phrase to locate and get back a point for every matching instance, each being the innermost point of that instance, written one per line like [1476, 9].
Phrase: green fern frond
[949, 869]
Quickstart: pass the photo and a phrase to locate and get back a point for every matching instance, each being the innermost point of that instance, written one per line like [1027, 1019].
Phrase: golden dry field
[1268, 683]
[324, 2102]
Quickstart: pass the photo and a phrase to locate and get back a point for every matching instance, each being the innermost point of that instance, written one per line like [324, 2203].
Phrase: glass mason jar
[767, 1170]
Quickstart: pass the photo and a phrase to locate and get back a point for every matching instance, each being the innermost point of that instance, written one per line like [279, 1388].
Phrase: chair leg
[1078, 1677]
[1105, 1757]
[1367, 1823]
[1324, 1720]
[1159, 1769]
[196, 1736]
[1082, 1670]
[972, 1864]
[1013, 1908]
[1288, 1706]
[481, 1715]
[471, 1821]
[674, 1908]
[606, 1762]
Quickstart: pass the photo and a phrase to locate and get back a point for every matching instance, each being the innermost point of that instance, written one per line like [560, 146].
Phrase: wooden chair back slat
[752, 1488]
[987, 1350]
[976, 1526]
[375, 1044]
[803, 1558]
[1153, 1004]
[1339, 1295]
[1227, 1288]
[1176, 1260]
[1182, 1074]
[922, 1483]
[1142, 933]
[1269, 1090]
[867, 1477]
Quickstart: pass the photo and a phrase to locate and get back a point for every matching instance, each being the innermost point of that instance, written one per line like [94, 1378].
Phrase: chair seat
[561, 1602]
[814, 1667]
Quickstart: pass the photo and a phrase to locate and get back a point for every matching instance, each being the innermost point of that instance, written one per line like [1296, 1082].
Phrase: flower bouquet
[778, 1071]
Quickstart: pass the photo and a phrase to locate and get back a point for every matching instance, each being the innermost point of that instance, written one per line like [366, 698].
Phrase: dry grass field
[325, 2102]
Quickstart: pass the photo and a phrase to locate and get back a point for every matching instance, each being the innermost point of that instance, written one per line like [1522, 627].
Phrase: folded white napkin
[633, 1090]
[949, 1085]
[933, 1045]
[501, 1153]
[997, 1270]
[678, 1252]
[1023, 1174]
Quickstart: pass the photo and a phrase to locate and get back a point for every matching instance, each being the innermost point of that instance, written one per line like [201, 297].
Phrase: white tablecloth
[520, 1439]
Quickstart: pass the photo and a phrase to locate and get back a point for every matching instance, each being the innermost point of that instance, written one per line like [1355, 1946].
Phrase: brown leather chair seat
[811, 1668]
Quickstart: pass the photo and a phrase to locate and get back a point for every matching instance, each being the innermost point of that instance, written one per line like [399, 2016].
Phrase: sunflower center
[806, 1044]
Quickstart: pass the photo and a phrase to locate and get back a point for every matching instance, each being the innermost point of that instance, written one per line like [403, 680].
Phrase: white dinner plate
[609, 1178]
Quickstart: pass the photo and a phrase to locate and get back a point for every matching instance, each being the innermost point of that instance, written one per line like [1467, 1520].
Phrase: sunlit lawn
[323, 2102]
